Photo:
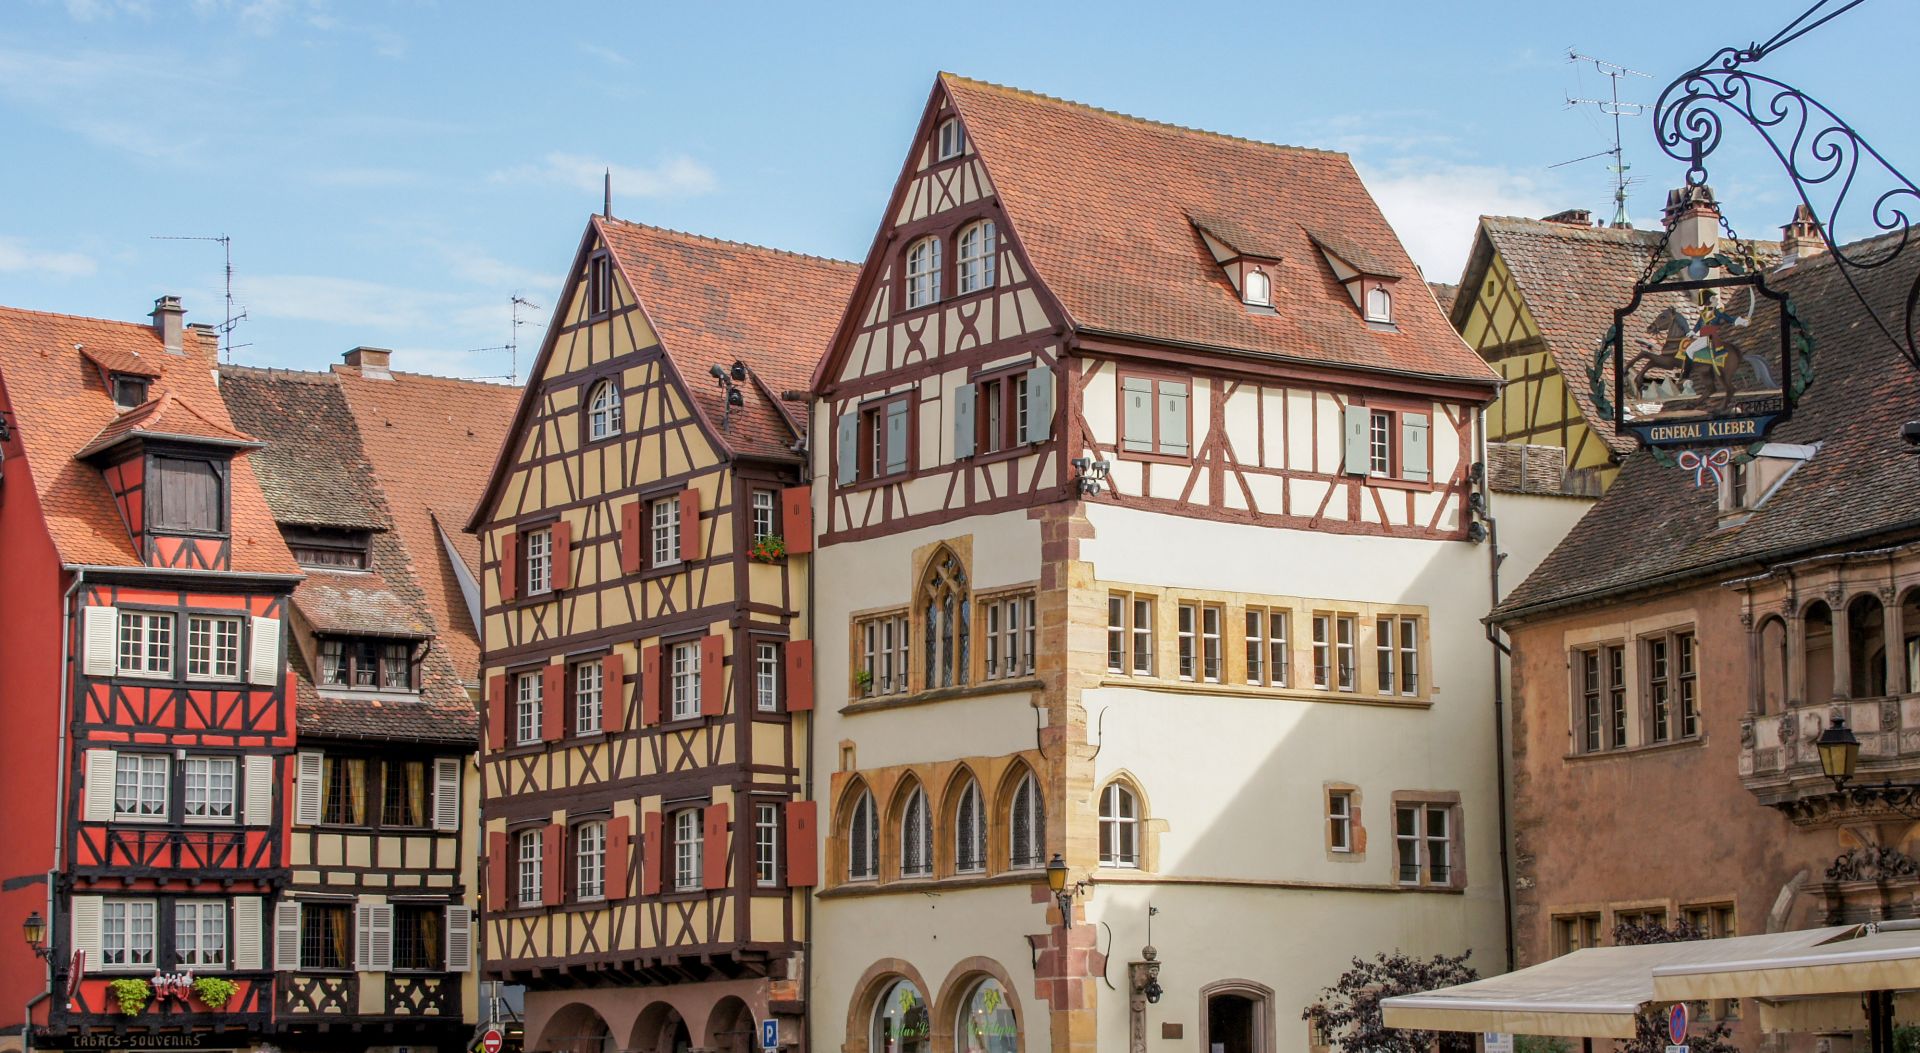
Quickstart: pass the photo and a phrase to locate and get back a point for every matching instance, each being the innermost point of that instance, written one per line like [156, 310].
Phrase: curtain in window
[338, 934]
[416, 792]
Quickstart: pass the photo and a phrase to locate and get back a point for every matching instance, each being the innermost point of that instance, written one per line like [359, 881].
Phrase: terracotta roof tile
[713, 302]
[1443, 294]
[164, 417]
[120, 360]
[314, 470]
[1654, 525]
[1101, 203]
[59, 405]
[358, 604]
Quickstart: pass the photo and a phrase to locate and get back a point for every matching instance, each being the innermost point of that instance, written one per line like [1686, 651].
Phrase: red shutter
[497, 868]
[713, 846]
[613, 694]
[803, 852]
[631, 537]
[650, 686]
[796, 519]
[497, 712]
[509, 565]
[689, 524]
[619, 849]
[799, 672]
[652, 857]
[713, 676]
[553, 702]
[562, 555]
[552, 850]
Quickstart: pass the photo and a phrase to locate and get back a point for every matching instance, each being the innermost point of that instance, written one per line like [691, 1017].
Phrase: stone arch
[958, 987]
[1816, 630]
[893, 832]
[657, 1027]
[875, 982]
[840, 843]
[730, 1027]
[1000, 845]
[1866, 646]
[947, 823]
[1144, 825]
[1260, 1016]
[1770, 680]
[576, 1028]
[942, 619]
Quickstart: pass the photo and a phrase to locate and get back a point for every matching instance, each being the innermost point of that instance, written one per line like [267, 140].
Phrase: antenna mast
[513, 340]
[226, 327]
[1616, 109]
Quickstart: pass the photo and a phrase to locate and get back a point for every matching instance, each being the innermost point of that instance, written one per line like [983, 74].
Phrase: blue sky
[392, 173]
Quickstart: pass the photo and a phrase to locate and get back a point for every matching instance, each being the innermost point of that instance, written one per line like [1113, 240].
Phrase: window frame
[232, 779]
[945, 147]
[663, 531]
[536, 569]
[682, 662]
[142, 766]
[313, 911]
[1036, 826]
[604, 422]
[156, 663]
[1116, 827]
[127, 924]
[1155, 379]
[405, 917]
[529, 707]
[863, 833]
[218, 673]
[347, 657]
[970, 854]
[763, 507]
[986, 263]
[1341, 816]
[589, 844]
[1669, 681]
[529, 878]
[201, 911]
[1247, 275]
[769, 675]
[140, 385]
[688, 833]
[916, 833]
[1134, 631]
[1423, 839]
[884, 643]
[587, 700]
[1367, 311]
[871, 438]
[156, 504]
[766, 844]
[921, 288]
[599, 285]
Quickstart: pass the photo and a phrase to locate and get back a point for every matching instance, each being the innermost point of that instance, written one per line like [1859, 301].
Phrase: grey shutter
[379, 938]
[263, 664]
[1173, 418]
[1039, 405]
[846, 449]
[362, 937]
[286, 936]
[897, 454]
[446, 790]
[306, 796]
[257, 803]
[1413, 447]
[86, 912]
[1354, 427]
[965, 397]
[459, 939]
[97, 805]
[246, 934]
[100, 639]
[1136, 402]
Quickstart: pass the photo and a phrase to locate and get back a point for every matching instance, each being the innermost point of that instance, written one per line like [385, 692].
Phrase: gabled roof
[166, 417]
[314, 471]
[115, 359]
[59, 406]
[712, 302]
[1655, 526]
[1101, 202]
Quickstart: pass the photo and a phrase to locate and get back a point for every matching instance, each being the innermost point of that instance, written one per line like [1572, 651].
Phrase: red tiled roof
[165, 417]
[1101, 202]
[59, 405]
[120, 360]
[713, 302]
[356, 604]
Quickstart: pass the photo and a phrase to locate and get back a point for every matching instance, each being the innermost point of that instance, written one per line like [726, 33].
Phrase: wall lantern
[35, 930]
[1062, 893]
[1839, 752]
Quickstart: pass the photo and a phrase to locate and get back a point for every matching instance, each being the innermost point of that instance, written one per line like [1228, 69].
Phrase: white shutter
[286, 936]
[100, 643]
[1413, 447]
[257, 807]
[263, 665]
[246, 934]
[86, 927]
[362, 937]
[1354, 428]
[1039, 405]
[98, 806]
[306, 795]
[446, 793]
[964, 398]
[846, 449]
[459, 939]
[379, 938]
[897, 454]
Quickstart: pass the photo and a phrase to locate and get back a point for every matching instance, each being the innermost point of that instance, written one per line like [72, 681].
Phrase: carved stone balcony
[1779, 764]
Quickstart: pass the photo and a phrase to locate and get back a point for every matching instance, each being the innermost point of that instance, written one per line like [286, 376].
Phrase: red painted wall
[31, 583]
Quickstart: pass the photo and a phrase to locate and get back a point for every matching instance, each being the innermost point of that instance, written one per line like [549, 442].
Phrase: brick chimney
[1572, 217]
[1800, 239]
[170, 323]
[1693, 222]
[369, 362]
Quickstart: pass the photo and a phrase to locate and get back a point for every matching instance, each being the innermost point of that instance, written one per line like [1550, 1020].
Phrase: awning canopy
[1810, 988]
[1596, 992]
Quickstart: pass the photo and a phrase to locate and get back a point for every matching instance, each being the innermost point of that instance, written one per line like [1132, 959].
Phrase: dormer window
[953, 140]
[1257, 289]
[1745, 486]
[322, 548]
[187, 495]
[923, 273]
[129, 390]
[600, 285]
[1379, 304]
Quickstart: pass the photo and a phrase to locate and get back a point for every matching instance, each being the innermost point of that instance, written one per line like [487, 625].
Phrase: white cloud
[1435, 206]
[365, 177]
[677, 176]
[605, 54]
[16, 256]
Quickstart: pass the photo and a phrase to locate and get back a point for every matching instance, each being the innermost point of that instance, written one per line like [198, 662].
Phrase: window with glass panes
[1188, 630]
[916, 836]
[766, 677]
[146, 644]
[1715, 921]
[528, 849]
[976, 257]
[366, 663]
[1211, 651]
[883, 654]
[1423, 839]
[969, 831]
[686, 850]
[1322, 651]
[207, 788]
[1380, 443]
[1575, 932]
[526, 708]
[863, 840]
[405, 793]
[588, 692]
[766, 845]
[590, 861]
[1119, 827]
[763, 514]
[923, 273]
[127, 933]
[1010, 637]
[140, 786]
[200, 934]
[603, 411]
[213, 648]
[343, 790]
[419, 940]
[1340, 820]
[1683, 647]
[536, 560]
[1268, 659]
[1396, 641]
[684, 680]
[1601, 674]
[326, 936]
[665, 525]
[1345, 628]
[1129, 634]
[1027, 826]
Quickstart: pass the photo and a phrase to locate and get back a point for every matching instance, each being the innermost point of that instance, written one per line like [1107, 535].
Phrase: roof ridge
[711, 240]
[1148, 121]
[4, 309]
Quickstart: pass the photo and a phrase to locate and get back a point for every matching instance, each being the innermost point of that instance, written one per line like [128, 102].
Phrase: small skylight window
[1379, 305]
[953, 140]
[1257, 289]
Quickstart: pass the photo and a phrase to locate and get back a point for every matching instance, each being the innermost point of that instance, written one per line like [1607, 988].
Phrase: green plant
[1348, 1013]
[214, 991]
[1541, 1044]
[768, 548]
[863, 679]
[132, 994]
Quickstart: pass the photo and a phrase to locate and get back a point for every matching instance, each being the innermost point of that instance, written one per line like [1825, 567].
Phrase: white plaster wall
[1530, 526]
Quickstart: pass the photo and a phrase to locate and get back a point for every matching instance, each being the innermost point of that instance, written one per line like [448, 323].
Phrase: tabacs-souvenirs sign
[1705, 358]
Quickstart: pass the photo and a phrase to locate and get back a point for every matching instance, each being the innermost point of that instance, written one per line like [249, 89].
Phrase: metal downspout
[1494, 558]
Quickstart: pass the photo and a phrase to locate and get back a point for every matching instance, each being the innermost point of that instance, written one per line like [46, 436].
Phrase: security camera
[739, 370]
[719, 372]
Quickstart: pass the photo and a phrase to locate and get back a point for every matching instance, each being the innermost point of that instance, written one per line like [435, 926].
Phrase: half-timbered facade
[149, 724]
[1142, 460]
[373, 938]
[646, 537]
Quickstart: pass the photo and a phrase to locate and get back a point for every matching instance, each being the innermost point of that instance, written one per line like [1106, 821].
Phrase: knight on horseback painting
[1695, 357]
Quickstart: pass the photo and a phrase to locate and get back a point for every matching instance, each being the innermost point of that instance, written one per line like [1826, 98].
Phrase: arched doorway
[576, 1029]
[1237, 1016]
[731, 1027]
[902, 1020]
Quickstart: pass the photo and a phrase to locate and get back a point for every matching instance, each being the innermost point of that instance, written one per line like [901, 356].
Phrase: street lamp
[35, 930]
[1057, 882]
[1839, 752]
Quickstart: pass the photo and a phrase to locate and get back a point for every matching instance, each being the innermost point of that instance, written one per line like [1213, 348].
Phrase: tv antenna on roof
[226, 327]
[513, 341]
[1616, 109]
